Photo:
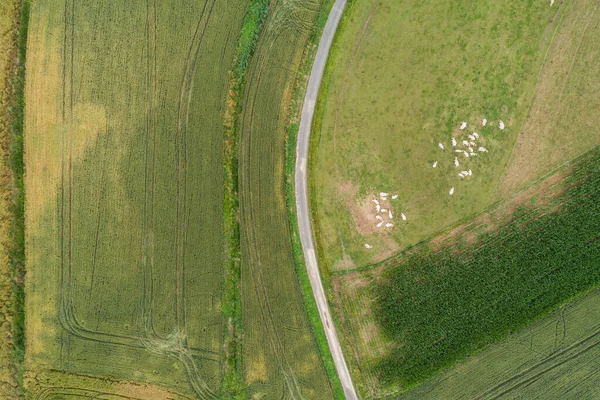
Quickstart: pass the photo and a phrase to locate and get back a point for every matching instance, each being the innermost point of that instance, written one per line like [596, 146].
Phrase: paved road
[302, 198]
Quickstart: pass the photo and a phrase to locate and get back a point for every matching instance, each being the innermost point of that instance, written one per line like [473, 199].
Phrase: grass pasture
[124, 155]
[563, 120]
[402, 77]
[281, 357]
[438, 303]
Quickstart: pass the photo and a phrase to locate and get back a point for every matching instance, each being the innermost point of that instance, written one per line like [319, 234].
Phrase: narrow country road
[302, 207]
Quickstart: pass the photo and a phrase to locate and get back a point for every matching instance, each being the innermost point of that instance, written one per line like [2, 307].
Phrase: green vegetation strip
[438, 307]
[233, 381]
[17, 208]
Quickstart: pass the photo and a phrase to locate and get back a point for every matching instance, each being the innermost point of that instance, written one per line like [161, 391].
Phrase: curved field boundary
[67, 317]
[301, 180]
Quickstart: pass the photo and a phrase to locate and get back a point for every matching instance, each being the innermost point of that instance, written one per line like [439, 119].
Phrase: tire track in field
[529, 375]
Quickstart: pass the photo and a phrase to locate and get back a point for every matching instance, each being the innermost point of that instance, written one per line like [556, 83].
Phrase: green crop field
[556, 357]
[441, 301]
[124, 156]
[403, 78]
[281, 359]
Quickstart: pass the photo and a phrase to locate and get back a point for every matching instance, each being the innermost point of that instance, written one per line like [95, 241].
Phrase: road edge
[301, 197]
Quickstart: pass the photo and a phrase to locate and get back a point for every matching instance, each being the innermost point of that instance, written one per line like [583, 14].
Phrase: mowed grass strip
[403, 76]
[281, 359]
[124, 146]
[441, 305]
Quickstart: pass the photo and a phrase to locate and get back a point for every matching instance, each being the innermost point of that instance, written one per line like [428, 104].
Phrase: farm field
[124, 157]
[409, 317]
[9, 17]
[401, 80]
[281, 358]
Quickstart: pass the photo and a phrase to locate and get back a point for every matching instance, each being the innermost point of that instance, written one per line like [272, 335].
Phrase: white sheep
[461, 175]
[403, 216]
[470, 172]
[501, 125]
[384, 210]
[451, 191]
[465, 142]
[368, 246]
[379, 224]
[466, 154]
[463, 125]
[458, 151]
[484, 122]
[453, 142]
[394, 197]
[383, 194]
[473, 154]
[441, 146]
[434, 165]
[390, 214]
[470, 149]
[375, 201]
[379, 218]
[476, 135]
[389, 225]
[471, 137]
[378, 208]
[456, 162]
[465, 173]
[482, 149]
[472, 143]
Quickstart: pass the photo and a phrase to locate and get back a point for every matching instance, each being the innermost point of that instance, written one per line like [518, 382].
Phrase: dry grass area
[9, 12]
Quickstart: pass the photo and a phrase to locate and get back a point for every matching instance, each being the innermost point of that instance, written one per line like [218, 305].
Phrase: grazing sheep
[470, 149]
[390, 214]
[434, 165]
[379, 224]
[476, 135]
[461, 175]
[471, 137]
[384, 210]
[368, 246]
[470, 172]
[379, 218]
[453, 142]
[441, 146]
[465, 173]
[383, 194]
[375, 201]
[472, 143]
[394, 197]
[458, 151]
[482, 149]
[389, 225]
[484, 122]
[466, 154]
[403, 216]
[501, 125]
[456, 162]
[378, 208]
[473, 154]
[465, 143]
[463, 125]
[451, 191]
